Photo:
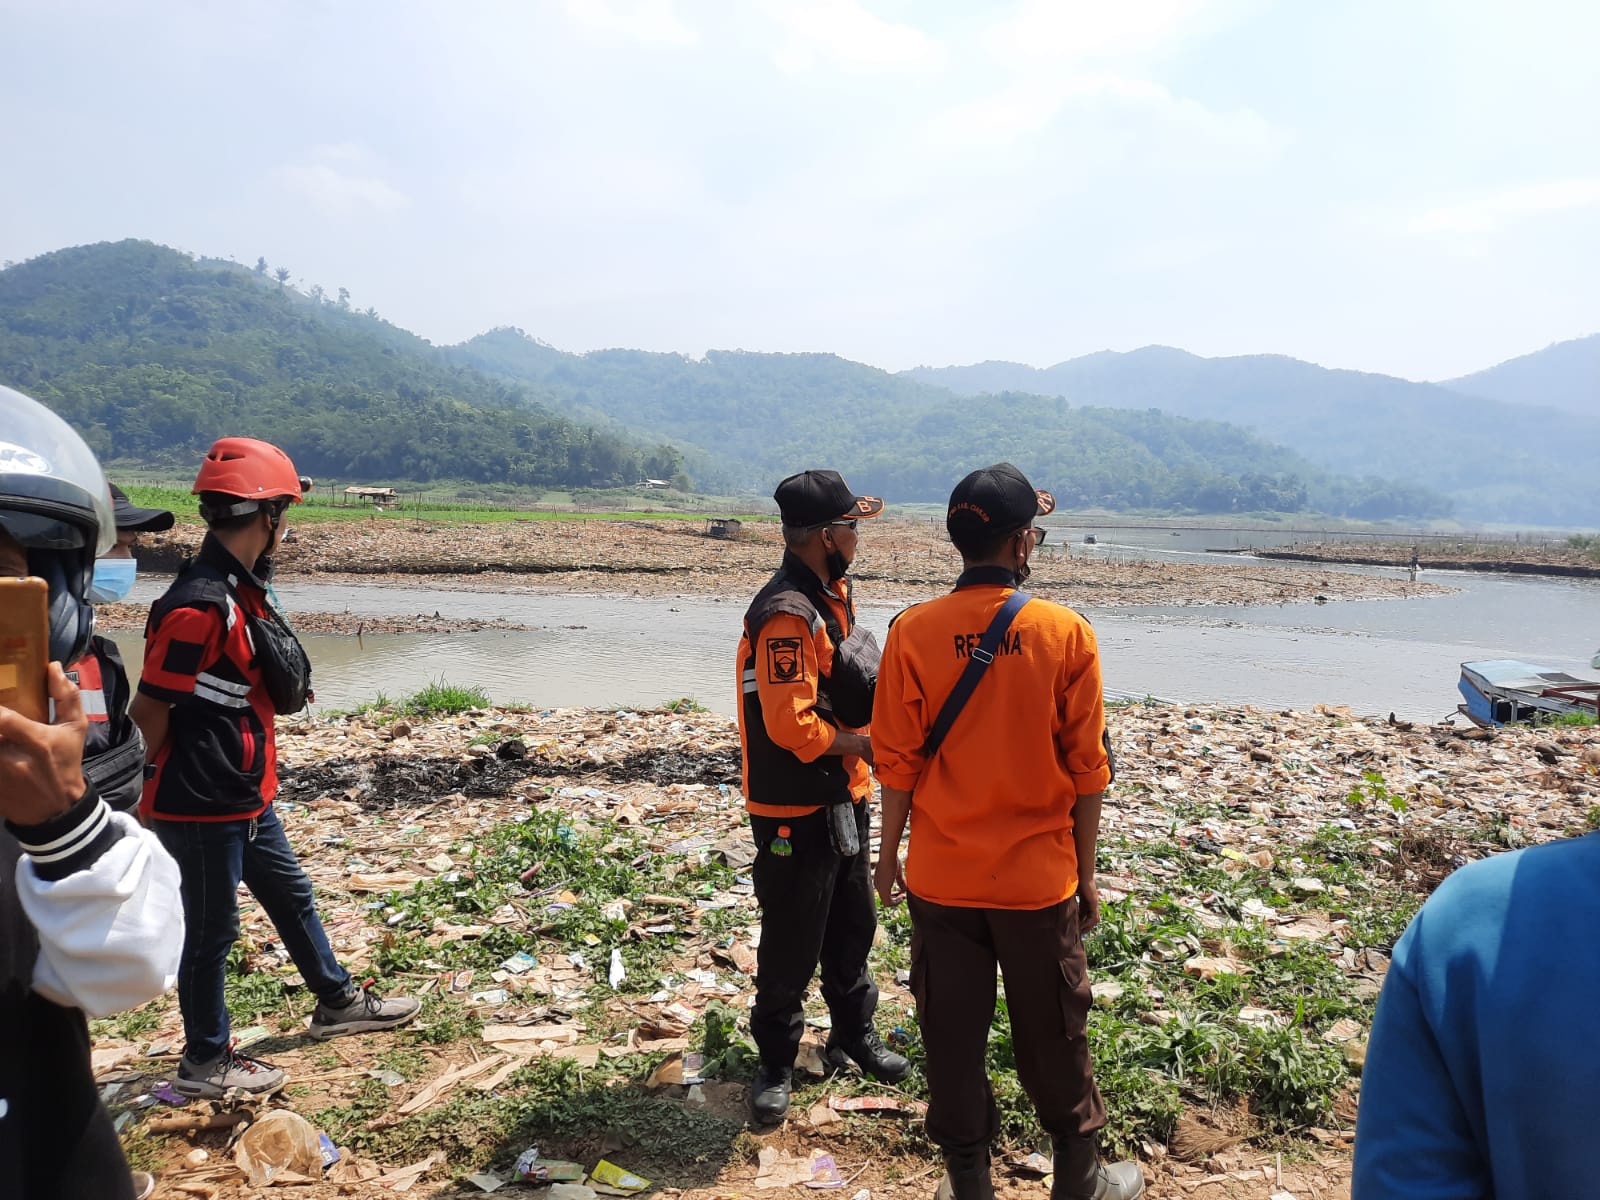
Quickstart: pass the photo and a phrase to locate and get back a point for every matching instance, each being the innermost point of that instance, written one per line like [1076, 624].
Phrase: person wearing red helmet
[220, 663]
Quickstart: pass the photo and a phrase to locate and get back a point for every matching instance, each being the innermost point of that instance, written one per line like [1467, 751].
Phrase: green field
[326, 504]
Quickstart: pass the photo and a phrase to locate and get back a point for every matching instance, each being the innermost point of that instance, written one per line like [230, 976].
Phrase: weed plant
[597, 869]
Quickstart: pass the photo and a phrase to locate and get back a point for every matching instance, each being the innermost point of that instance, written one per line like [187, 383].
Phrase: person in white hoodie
[91, 922]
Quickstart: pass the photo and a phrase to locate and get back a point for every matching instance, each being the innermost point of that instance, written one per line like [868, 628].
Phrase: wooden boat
[1505, 691]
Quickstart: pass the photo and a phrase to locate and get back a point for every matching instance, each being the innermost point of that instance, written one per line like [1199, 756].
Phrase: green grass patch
[684, 704]
[129, 1026]
[553, 1104]
[598, 868]
[434, 507]
[441, 699]
[1574, 720]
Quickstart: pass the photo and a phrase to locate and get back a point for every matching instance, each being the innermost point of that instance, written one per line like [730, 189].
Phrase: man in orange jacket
[806, 676]
[1005, 814]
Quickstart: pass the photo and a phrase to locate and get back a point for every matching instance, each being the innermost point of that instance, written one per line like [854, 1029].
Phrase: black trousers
[954, 952]
[817, 907]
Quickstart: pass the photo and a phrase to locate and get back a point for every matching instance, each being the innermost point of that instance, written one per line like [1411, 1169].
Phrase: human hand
[1088, 905]
[852, 745]
[41, 766]
[889, 879]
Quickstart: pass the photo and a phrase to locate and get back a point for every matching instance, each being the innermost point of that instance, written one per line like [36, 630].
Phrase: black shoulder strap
[977, 663]
[816, 592]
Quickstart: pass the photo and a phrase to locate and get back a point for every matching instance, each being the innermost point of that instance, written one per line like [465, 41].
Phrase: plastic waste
[617, 973]
[281, 1142]
[617, 1177]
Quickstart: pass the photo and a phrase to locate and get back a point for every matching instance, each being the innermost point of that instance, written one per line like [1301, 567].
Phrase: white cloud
[1078, 29]
[341, 152]
[843, 33]
[1034, 103]
[340, 193]
[641, 20]
[1489, 212]
[1061, 54]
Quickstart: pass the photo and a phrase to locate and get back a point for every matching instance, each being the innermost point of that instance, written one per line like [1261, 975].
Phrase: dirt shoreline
[1281, 845]
[130, 618]
[900, 562]
[1498, 557]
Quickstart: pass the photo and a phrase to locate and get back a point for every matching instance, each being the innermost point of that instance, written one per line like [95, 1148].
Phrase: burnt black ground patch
[399, 781]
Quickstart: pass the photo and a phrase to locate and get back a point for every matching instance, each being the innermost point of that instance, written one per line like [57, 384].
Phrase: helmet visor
[39, 532]
[47, 472]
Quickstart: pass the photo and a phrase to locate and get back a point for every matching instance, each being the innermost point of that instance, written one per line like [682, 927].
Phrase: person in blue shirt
[1483, 1069]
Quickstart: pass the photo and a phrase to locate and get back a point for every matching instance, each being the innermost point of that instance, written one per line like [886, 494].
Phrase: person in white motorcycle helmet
[90, 914]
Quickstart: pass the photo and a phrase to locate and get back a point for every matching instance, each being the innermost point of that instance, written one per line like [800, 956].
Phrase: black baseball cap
[140, 520]
[817, 497]
[994, 501]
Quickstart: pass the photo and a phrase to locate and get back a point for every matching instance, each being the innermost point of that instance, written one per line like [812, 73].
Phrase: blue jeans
[214, 856]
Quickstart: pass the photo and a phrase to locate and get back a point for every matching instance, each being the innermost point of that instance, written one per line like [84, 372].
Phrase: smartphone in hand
[25, 646]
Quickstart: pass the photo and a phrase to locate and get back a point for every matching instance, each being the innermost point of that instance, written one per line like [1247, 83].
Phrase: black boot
[1080, 1175]
[966, 1174]
[870, 1054]
[769, 1094]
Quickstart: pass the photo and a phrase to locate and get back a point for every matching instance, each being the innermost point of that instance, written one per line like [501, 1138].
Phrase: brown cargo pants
[1040, 954]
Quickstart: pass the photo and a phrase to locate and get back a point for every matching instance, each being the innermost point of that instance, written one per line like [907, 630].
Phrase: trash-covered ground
[569, 893]
[899, 560]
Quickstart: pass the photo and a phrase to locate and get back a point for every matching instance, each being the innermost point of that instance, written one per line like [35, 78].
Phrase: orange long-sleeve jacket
[791, 658]
[992, 812]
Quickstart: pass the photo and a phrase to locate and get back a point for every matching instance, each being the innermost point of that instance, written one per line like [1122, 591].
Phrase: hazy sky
[1410, 186]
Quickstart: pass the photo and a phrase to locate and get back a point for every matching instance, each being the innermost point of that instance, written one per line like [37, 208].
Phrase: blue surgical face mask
[113, 580]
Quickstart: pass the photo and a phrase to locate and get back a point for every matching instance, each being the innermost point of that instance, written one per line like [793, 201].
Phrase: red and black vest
[220, 759]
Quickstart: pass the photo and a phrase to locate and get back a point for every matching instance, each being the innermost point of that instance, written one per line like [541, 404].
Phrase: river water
[1376, 656]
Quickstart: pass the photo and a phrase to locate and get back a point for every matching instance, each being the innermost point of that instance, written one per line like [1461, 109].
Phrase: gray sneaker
[231, 1072]
[365, 1012]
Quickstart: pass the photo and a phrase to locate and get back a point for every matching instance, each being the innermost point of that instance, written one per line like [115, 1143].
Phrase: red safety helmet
[253, 471]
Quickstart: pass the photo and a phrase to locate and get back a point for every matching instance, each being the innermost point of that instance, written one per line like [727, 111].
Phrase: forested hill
[152, 355]
[1497, 461]
[906, 439]
[1565, 375]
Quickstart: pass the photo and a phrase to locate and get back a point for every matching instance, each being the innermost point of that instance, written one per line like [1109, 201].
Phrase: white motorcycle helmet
[55, 502]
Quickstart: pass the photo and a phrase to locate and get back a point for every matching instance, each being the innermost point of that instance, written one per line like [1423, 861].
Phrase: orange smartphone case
[25, 646]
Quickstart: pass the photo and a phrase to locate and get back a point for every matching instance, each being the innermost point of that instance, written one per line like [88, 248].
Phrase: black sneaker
[364, 1012]
[769, 1094]
[870, 1054]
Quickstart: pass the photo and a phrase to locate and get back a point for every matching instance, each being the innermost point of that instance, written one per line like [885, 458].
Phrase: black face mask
[1024, 569]
[837, 567]
[264, 566]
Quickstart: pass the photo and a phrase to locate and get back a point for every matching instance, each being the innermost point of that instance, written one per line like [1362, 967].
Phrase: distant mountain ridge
[1497, 460]
[152, 353]
[1565, 375]
[766, 412]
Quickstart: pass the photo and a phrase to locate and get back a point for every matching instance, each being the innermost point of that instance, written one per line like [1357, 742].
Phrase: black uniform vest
[776, 776]
[113, 750]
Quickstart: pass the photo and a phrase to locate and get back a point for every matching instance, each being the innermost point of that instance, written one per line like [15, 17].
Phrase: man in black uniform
[807, 675]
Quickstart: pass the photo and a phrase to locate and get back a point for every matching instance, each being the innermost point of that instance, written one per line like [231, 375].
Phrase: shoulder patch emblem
[783, 660]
